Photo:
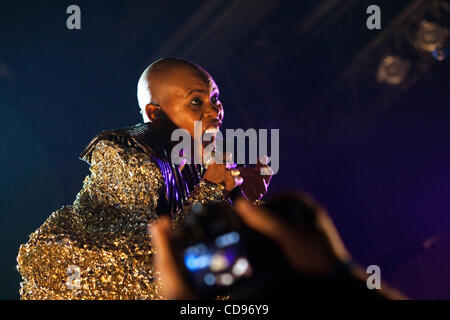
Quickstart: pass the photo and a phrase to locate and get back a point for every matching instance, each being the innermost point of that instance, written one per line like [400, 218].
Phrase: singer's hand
[255, 181]
[220, 174]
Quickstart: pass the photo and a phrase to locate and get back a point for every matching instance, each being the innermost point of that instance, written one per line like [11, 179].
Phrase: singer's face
[191, 95]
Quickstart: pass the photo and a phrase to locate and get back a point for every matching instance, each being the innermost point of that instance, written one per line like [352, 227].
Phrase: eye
[215, 99]
[196, 102]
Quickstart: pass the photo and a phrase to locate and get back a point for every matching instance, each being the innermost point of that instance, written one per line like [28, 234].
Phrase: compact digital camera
[219, 255]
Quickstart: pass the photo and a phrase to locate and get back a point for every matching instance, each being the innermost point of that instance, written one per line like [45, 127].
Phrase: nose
[214, 111]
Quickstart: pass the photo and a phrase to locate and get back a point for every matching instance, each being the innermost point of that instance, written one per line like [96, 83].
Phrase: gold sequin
[103, 233]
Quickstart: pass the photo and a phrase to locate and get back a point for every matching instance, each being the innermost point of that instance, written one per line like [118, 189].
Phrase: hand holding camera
[288, 248]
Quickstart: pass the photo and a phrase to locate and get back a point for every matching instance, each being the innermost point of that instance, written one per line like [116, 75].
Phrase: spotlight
[430, 36]
[392, 70]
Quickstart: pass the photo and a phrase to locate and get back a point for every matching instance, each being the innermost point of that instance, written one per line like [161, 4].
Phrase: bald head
[154, 79]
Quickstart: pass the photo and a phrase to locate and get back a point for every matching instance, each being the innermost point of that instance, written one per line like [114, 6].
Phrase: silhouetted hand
[301, 228]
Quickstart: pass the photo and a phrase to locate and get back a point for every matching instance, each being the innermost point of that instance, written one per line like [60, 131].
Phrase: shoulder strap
[140, 135]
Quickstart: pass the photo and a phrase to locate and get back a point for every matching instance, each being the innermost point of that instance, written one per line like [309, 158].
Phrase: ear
[153, 111]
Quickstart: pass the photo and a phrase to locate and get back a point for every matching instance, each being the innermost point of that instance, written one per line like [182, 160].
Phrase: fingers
[229, 161]
[235, 173]
[259, 219]
[255, 186]
[219, 158]
[306, 254]
[160, 232]
[218, 173]
[232, 179]
[264, 170]
[263, 167]
[172, 283]
[263, 161]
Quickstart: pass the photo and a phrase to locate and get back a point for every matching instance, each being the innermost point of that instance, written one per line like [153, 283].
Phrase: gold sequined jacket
[98, 247]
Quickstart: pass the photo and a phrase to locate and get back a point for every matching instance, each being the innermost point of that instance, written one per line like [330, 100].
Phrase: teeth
[211, 130]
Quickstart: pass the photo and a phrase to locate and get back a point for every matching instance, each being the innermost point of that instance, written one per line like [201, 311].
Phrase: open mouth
[210, 131]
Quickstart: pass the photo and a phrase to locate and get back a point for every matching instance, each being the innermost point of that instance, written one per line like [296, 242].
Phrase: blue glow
[194, 262]
[190, 262]
[197, 250]
[209, 279]
[227, 239]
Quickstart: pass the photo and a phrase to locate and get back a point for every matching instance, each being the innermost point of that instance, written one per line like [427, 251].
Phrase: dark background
[377, 156]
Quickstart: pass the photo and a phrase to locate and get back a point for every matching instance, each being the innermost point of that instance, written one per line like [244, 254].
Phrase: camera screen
[218, 263]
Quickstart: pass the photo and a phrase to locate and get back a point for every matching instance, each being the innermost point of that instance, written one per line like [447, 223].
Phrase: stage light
[393, 70]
